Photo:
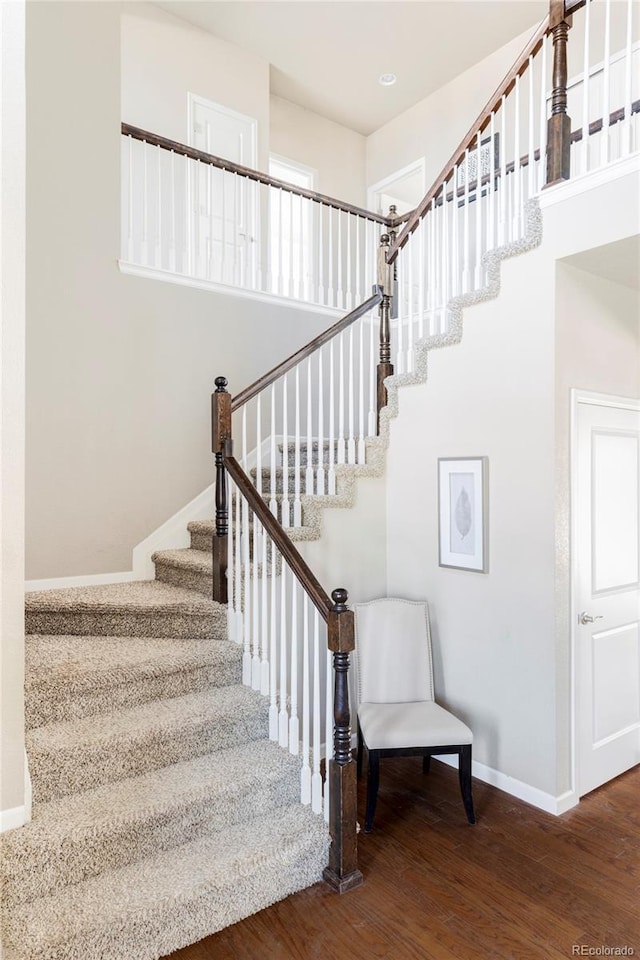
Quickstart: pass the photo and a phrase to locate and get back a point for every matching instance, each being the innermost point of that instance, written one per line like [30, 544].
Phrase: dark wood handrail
[478, 126]
[259, 385]
[295, 561]
[181, 148]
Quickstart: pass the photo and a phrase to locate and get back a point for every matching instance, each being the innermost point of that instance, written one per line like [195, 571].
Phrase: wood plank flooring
[519, 885]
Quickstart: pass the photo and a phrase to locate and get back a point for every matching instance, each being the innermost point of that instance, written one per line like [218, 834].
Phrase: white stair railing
[190, 215]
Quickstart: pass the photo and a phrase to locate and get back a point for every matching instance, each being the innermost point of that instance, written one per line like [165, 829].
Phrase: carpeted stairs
[162, 813]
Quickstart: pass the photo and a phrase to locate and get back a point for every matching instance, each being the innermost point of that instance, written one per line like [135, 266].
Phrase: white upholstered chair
[397, 712]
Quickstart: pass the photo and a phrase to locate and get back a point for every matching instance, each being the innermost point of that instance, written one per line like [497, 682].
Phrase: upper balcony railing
[190, 214]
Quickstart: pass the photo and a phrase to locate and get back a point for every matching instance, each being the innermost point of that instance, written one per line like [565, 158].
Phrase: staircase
[162, 812]
[165, 807]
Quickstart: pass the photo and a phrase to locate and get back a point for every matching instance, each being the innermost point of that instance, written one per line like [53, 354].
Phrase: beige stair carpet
[162, 812]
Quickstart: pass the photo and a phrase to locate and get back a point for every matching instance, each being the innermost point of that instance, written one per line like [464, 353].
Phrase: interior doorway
[606, 586]
[405, 189]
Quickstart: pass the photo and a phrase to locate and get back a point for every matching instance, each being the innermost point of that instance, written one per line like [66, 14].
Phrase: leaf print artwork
[463, 514]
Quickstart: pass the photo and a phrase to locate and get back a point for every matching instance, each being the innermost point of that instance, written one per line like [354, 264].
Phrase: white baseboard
[516, 788]
[589, 181]
[12, 818]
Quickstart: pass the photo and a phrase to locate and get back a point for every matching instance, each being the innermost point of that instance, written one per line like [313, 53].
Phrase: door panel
[607, 537]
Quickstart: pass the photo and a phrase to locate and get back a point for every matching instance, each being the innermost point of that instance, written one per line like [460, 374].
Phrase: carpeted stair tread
[146, 608]
[78, 755]
[199, 561]
[68, 677]
[79, 836]
[148, 909]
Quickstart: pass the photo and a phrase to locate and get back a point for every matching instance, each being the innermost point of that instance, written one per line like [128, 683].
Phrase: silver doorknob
[584, 618]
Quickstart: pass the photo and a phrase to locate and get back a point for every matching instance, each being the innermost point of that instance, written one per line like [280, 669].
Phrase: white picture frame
[463, 513]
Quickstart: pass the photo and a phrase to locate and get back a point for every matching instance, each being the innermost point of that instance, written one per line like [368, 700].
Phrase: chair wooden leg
[464, 774]
[373, 779]
[426, 763]
[359, 754]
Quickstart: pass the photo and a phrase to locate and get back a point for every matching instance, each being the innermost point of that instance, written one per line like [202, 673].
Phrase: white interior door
[607, 597]
[225, 205]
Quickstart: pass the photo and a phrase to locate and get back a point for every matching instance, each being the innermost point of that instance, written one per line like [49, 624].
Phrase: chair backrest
[393, 661]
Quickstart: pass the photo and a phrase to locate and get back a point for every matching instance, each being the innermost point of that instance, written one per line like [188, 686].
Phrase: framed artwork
[463, 507]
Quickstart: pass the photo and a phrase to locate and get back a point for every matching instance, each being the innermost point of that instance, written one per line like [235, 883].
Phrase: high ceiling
[327, 55]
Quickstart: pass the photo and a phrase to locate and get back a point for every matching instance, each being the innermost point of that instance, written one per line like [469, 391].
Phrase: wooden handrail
[209, 158]
[295, 561]
[478, 126]
[278, 371]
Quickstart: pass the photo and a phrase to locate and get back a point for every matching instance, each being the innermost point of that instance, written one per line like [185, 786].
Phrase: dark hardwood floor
[520, 884]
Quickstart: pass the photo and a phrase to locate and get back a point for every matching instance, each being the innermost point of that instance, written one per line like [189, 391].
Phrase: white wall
[337, 153]
[434, 127]
[120, 368]
[164, 58]
[12, 314]
[502, 639]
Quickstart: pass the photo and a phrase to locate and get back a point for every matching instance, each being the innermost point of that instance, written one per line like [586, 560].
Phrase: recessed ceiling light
[387, 79]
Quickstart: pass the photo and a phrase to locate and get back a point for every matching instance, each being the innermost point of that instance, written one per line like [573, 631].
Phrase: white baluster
[432, 267]
[302, 284]
[239, 634]
[359, 292]
[223, 226]
[173, 243]
[273, 649]
[130, 253]
[444, 261]
[297, 466]
[516, 164]
[410, 253]
[145, 205]
[340, 282]
[264, 625]
[255, 660]
[273, 502]
[331, 473]
[197, 271]
[322, 296]
[341, 449]
[606, 85]
[316, 778]
[502, 192]
[423, 230]
[305, 772]
[586, 92]
[402, 272]
[283, 717]
[531, 180]
[361, 418]
[455, 260]
[320, 475]
[280, 242]
[627, 128]
[285, 516]
[237, 260]
[351, 442]
[309, 468]
[328, 731]
[294, 723]
[331, 296]
[491, 188]
[210, 207]
[477, 272]
[231, 608]
[466, 272]
[246, 568]
[543, 116]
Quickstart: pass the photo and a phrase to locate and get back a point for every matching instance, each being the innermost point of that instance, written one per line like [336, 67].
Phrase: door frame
[599, 400]
[418, 166]
[194, 99]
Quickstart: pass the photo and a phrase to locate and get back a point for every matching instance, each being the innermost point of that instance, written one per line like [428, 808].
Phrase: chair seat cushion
[388, 726]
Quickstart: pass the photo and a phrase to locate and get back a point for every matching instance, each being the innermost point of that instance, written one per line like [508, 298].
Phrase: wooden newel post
[221, 444]
[342, 874]
[385, 281]
[559, 123]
